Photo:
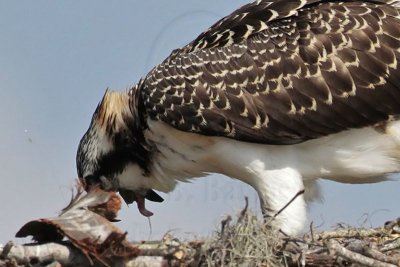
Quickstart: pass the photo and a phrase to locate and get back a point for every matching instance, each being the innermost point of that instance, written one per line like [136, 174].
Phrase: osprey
[277, 94]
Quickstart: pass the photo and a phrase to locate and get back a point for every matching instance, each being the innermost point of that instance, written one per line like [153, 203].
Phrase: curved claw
[153, 196]
[127, 195]
[141, 207]
[131, 196]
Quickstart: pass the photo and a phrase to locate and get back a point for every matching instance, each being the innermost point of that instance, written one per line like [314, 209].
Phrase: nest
[84, 235]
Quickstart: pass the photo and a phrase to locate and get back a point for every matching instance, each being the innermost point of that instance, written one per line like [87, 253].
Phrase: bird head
[104, 149]
[113, 142]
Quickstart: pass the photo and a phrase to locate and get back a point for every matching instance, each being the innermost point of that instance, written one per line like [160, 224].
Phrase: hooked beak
[129, 196]
[89, 182]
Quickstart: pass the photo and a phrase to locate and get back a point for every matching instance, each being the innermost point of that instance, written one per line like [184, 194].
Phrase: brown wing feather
[281, 73]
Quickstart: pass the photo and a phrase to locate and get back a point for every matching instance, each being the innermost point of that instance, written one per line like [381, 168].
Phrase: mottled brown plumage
[283, 72]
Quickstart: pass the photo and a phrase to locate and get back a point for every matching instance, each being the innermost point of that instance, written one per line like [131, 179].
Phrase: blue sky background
[56, 60]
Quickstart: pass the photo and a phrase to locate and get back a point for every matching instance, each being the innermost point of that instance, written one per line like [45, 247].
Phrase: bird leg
[281, 194]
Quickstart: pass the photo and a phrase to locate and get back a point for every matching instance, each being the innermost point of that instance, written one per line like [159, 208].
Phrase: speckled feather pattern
[282, 72]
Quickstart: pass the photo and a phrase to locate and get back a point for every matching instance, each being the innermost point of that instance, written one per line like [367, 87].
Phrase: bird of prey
[277, 94]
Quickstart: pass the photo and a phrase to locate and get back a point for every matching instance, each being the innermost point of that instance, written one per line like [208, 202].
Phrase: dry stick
[391, 246]
[67, 255]
[343, 252]
[244, 210]
[7, 248]
[47, 253]
[246, 206]
[290, 202]
[312, 232]
[348, 233]
[370, 250]
[224, 224]
[380, 256]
